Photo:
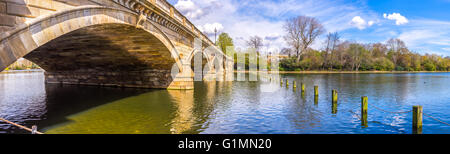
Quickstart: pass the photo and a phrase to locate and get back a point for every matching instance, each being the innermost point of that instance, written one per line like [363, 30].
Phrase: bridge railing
[163, 5]
[175, 14]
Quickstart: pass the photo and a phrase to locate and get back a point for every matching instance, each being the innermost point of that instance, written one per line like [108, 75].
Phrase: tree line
[302, 31]
[353, 56]
[339, 55]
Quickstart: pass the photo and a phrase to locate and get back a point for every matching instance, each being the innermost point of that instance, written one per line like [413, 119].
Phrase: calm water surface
[228, 107]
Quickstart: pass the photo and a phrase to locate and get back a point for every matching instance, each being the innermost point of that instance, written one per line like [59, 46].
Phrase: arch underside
[95, 45]
[106, 54]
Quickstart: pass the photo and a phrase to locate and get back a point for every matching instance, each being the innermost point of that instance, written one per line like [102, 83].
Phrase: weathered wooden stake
[417, 119]
[334, 96]
[316, 91]
[334, 101]
[333, 108]
[316, 100]
[287, 82]
[294, 84]
[303, 87]
[364, 106]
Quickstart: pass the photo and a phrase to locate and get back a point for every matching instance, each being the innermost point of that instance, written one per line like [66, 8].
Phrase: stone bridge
[125, 43]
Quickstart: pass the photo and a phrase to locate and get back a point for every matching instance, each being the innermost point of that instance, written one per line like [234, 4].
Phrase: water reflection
[184, 118]
[228, 107]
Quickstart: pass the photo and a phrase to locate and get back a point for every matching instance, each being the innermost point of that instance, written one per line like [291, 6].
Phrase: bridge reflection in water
[226, 107]
[155, 112]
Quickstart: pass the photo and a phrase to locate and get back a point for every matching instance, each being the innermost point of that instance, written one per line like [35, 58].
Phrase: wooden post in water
[316, 91]
[316, 95]
[316, 100]
[334, 96]
[294, 84]
[287, 82]
[364, 106]
[303, 87]
[281, 82]
[417, 119]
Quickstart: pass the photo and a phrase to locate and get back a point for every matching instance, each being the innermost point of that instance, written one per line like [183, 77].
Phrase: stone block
[27, 40]
[47, 4]
[6, 55]
[4, 29]
[7, 20]
[22, 10]
[2, 7]
[17, 46]
[16, 1]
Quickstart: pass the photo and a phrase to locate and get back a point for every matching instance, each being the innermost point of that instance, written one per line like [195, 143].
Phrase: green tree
[224, 41]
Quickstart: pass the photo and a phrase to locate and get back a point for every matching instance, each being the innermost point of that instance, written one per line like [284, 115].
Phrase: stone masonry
[126, 43]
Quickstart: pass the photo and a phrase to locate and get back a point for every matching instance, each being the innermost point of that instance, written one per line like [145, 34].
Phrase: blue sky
[423, 25]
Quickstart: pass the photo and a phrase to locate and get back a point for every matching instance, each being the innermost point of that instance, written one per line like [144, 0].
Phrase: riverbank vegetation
[22, 64]
[352, 56]
[340, 55]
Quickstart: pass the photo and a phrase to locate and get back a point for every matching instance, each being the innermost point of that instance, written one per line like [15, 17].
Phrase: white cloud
[360, 23]
[211, 28]
[196, 10]
[399, 19]
[242, 19]
[426, 36]
[414, 37]
[272, 36]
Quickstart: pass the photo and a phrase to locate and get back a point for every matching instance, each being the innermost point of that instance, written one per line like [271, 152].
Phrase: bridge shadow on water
[66, 100]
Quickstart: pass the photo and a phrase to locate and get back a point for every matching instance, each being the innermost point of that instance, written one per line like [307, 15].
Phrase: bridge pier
[135, 79]
[184, 80]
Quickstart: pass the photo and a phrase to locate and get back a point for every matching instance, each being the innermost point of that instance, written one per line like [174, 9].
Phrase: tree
[286, 51]
[224, 41]
[330, 47]
[378, 50]
[255, 42]
[396, 48]
[341, 58]
[301, 33]
[356, 52]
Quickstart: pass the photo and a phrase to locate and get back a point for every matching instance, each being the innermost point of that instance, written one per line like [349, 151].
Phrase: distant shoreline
[282, 72]
[350, 72]
[21, 71]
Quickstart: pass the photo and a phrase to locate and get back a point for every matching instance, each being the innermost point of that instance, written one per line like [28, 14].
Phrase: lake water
[229, 107]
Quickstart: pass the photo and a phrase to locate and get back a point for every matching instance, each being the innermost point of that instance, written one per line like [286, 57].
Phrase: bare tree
[255, 42]
[378, 49]
[396, 47]
[286, 51]
[330, 47]
[301, 33]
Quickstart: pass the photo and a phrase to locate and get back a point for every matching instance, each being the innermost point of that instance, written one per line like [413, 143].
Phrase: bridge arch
[75, 33]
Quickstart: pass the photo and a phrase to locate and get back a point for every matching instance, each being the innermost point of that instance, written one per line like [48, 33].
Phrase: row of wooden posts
[417, 110]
